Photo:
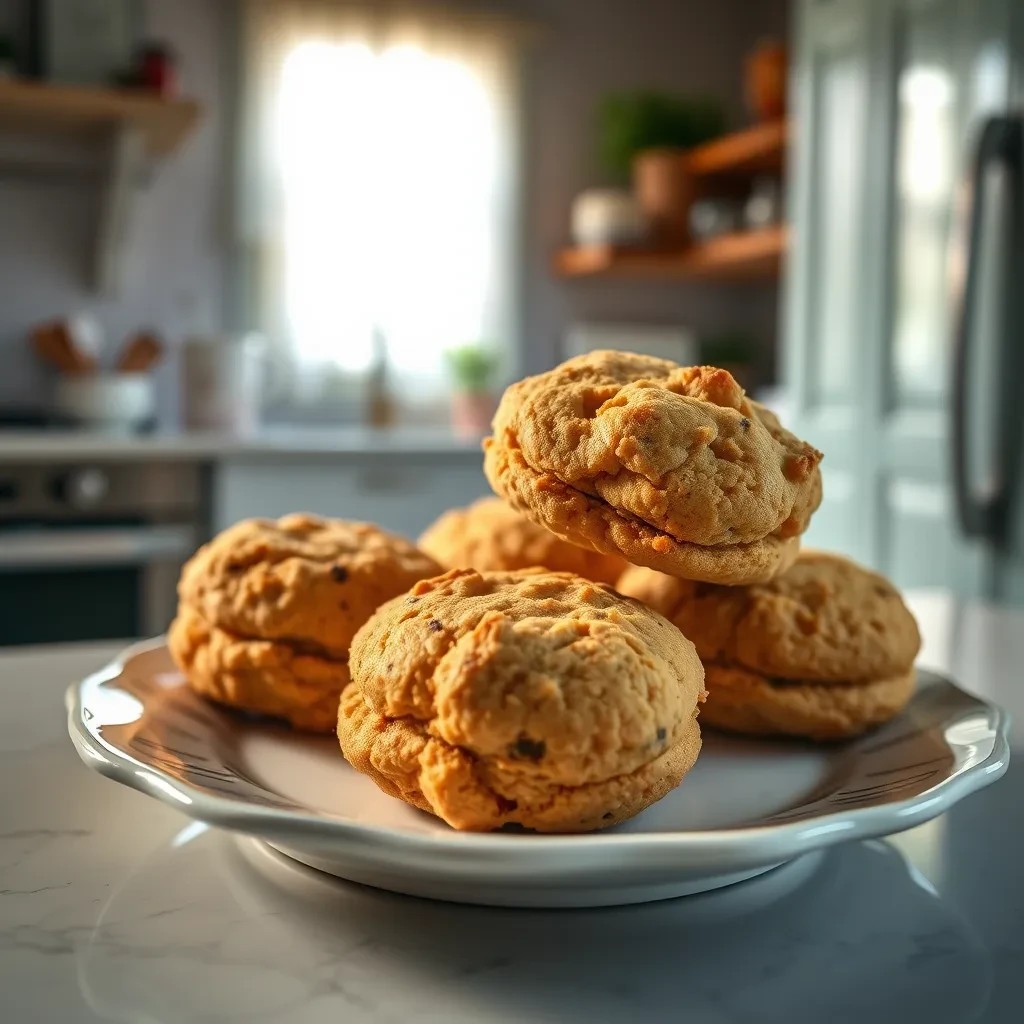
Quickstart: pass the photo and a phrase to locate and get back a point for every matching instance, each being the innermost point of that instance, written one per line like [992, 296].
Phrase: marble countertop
[46, 445]
[114, 907]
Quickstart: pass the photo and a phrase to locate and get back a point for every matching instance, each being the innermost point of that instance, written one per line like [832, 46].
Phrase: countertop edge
[214, 447]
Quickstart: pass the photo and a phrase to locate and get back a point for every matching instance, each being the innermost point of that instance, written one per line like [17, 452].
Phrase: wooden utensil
[55, 344]
[141, 353]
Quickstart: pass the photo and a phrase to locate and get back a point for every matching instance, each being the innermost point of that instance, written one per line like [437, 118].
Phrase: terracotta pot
[665, 190]
[472, 412]
[766, 81]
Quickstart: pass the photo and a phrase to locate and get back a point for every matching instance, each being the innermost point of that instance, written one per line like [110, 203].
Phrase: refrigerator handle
[982, 512]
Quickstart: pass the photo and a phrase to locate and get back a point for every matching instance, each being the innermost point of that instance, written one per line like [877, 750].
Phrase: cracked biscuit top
[670, 466]
[302, 579]
[531, 669]
[826, 619]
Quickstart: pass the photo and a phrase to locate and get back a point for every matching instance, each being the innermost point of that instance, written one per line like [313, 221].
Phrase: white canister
[608, 216]
[222, 382]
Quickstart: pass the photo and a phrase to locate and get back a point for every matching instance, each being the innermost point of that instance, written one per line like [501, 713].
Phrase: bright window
[383, 204]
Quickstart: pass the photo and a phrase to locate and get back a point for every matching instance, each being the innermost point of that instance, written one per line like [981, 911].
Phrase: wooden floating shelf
[744, 256]
[80, 110]
[757, 150]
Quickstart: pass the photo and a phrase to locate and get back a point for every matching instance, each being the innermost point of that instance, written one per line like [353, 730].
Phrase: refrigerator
[903, 322]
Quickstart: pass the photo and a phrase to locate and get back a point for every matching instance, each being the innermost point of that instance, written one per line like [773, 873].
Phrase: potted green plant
[473, 368]
[644, 134]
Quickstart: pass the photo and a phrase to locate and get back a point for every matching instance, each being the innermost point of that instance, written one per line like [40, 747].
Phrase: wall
[590, 48]
[175, 253]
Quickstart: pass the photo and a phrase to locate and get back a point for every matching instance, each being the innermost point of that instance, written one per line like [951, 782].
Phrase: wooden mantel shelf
[82, 110]
[744, 256]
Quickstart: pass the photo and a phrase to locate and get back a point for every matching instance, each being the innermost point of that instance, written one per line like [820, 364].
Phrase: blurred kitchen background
[266, 255]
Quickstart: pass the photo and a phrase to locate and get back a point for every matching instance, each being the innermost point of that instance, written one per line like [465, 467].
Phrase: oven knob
[82, 488]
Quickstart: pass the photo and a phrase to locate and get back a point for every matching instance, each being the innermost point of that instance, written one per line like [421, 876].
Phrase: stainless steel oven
[90, 552]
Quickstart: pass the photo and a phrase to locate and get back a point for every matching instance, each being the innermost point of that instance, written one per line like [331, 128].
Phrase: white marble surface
[43, 445]
[112, 907]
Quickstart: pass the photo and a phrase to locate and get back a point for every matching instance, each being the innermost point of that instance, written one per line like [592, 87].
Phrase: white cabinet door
[403, 493]
[889, 94]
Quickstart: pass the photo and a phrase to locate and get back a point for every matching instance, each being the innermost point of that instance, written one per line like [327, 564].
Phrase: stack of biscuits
[641, 563]
[823, 651]
[267, 611]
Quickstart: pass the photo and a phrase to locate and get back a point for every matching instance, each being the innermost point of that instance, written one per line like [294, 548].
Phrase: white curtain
[378, 185]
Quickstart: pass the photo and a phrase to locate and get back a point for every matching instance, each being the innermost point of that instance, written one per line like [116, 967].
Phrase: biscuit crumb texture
[670, 467]
[268, 608]
[543, 701]
[489, 535]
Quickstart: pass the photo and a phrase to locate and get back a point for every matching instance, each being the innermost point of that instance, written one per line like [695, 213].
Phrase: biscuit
[300, 578]
[267, 610]
[744, 702]
[267, 676]
[825, 650]
[670, 467]
[491, 536]
[523, 698]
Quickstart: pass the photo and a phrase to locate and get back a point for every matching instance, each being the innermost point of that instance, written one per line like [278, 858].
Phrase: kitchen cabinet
[401, 478]
[401, 491]
[889, 97]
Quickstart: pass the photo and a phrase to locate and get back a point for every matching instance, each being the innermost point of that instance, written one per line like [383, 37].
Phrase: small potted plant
[644, 134]
[473, 401]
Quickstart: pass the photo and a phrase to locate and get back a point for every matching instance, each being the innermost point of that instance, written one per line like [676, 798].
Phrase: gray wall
[175, 258]
[177, 255]
[594, 47]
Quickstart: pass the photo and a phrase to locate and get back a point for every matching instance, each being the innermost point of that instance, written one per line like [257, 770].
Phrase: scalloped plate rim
[787, 839]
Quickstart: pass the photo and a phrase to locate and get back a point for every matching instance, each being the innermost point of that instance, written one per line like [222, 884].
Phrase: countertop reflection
[856, 934]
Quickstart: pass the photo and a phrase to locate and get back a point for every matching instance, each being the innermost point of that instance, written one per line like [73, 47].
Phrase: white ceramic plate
[746, 807]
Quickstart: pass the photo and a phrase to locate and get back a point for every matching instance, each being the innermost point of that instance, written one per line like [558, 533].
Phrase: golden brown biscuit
[530, 698]
[267, 610]
[826, 618]
[267, 676]
[491, 536]
[300, 578]
[671, 467]
[774, 650]
[740, 701]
